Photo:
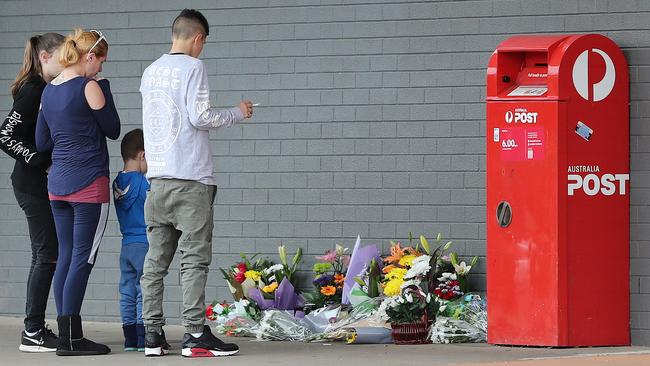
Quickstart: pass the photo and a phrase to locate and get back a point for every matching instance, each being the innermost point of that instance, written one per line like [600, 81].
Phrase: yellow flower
[270, 288]
[407, 260]
[253, 275]
[396, 273]
[393, 287]
[328, 290]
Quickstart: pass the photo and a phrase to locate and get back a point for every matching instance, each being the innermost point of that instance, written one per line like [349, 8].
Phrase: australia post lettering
[595, 182]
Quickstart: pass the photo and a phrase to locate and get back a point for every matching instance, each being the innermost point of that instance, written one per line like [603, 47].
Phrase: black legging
[42, 233]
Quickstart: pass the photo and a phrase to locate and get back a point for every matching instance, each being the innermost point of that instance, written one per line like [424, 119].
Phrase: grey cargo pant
[179, 215]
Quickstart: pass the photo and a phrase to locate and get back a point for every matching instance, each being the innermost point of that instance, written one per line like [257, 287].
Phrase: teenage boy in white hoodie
[177, 119]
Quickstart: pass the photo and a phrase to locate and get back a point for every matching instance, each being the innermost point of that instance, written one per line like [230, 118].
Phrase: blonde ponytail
[77, 44]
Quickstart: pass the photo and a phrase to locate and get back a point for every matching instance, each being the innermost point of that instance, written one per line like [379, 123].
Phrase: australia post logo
[590, 80]
[520, 115]
[595, 182]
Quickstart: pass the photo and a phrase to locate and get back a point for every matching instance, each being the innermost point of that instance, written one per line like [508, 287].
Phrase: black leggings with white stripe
[79, 228]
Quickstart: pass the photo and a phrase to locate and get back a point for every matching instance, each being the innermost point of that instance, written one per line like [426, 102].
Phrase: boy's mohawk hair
[188, 23]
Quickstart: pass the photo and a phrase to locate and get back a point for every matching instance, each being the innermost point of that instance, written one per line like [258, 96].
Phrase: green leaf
[225, 274]
[439, 237]
[359, 281]
[474, 260]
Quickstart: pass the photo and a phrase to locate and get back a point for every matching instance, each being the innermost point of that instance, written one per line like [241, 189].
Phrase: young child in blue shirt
[129, 193]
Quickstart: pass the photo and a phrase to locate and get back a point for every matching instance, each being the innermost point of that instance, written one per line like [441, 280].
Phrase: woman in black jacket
[29, 180]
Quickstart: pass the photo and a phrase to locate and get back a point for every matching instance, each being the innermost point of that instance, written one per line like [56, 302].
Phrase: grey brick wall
[372, 121]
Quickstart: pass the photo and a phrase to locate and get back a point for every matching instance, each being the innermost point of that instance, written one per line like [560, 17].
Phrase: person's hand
[246, 108]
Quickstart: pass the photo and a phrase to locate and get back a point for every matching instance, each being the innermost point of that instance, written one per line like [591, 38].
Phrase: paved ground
[337, 354]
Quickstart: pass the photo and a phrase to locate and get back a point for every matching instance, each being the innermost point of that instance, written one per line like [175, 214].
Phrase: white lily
[340, 250]
[462, 268]
[420, 267]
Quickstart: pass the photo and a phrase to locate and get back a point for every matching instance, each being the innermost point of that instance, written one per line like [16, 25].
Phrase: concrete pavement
[319, 354]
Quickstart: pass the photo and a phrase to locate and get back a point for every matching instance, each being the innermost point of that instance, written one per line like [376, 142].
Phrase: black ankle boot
[130, 337]
[72, 341]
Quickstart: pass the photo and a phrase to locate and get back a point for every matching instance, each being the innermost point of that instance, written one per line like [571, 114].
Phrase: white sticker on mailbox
[529, 91]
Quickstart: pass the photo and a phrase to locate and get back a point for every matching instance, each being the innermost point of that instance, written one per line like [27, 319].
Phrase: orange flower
[396, 253]
[410, 250]
[389, 268]
[328, 290]
[339, 278]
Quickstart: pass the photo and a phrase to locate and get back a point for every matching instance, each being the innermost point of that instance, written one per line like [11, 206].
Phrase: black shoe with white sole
[155, 343]
[207, 345]
[43, 341]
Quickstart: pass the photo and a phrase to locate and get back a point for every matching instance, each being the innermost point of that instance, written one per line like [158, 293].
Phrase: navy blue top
[75, 134]
[129, 193]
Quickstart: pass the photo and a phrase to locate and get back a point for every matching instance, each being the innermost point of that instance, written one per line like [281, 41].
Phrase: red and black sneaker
[207, 345]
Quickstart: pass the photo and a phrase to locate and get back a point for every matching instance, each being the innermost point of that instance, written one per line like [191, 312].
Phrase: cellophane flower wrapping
[279, 325]
[362, 318]
[449, 330]
[463, 320]
[285, 298]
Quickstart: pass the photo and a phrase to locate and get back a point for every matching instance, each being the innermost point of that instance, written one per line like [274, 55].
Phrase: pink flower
[330, 256]
[346, 260]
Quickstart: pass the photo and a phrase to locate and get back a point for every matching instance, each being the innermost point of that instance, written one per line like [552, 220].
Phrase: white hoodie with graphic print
[177, 119]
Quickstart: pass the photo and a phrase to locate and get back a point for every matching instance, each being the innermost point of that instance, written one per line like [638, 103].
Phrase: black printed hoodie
[17, 140]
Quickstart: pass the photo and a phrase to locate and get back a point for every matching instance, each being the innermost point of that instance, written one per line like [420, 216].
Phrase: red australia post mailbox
[558, 192]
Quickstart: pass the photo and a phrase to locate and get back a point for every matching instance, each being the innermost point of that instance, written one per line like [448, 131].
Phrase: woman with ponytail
[29, 180]
[77, 115]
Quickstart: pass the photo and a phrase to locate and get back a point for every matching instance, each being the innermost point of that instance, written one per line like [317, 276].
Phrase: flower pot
[411, 333]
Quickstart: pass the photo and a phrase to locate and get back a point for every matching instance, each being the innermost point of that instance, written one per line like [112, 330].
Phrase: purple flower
[323, 280]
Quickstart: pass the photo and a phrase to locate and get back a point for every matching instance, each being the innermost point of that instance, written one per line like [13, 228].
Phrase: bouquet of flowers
[237, 319]
[277, 289]
[411, 306]
[357, 286]
[409, 283]
[412, 265]
[452, 280]
[245, 275]
[368, 285]
[329, 277]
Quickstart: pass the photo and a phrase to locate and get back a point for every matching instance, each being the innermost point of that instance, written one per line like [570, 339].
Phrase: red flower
[240, 277]
[242, 267]
[209, 312]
